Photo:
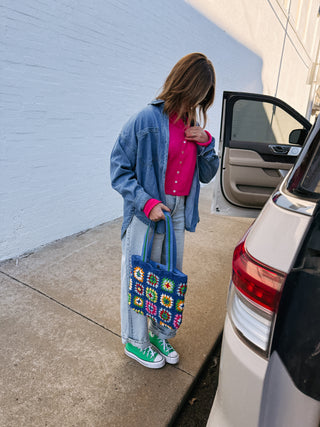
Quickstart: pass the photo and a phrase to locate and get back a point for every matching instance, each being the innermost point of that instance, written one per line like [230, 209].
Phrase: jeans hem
[161, 333]
[140, 344]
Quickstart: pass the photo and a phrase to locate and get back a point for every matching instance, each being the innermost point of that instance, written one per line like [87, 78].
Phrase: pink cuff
[151, 203]
[204, 144]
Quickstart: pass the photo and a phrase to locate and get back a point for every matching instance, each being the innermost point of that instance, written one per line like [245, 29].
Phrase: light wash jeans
[134, 326]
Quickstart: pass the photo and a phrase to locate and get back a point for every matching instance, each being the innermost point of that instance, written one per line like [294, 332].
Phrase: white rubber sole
[153, 365]
[168, 359]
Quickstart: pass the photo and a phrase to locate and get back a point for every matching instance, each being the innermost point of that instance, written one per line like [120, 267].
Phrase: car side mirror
[298, 136]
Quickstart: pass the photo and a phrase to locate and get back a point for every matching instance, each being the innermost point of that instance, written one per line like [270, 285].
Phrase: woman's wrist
[209, 136]
[151, 203]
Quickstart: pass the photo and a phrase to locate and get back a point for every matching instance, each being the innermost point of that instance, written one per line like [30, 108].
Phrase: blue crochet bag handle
[171, 248]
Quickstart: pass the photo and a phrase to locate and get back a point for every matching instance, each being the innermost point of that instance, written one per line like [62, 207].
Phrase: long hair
[189, 86]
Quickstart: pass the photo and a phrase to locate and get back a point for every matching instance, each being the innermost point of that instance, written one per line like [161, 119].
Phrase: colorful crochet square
[153, 280]
[137, 301]
[129, 299]
[180, 305]
[182, 288]
[139, 288]
[164, 315]
[167, 285]
[151, 308]
[152, 295]
[166, 301]
[177, 320]
[138, 273]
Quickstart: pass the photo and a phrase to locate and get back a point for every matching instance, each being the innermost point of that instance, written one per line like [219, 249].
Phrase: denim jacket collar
[157, 102]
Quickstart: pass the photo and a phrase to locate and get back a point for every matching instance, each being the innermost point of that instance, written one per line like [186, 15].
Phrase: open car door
[260, 140]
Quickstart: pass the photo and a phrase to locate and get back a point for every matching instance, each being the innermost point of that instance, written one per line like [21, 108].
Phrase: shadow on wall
[73, 73]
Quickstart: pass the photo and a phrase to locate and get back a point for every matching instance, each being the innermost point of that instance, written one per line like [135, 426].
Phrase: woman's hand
[196, 134]
[156, 214]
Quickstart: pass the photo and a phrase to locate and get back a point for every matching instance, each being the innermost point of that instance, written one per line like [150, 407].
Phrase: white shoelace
[167, 347]
[149, 352]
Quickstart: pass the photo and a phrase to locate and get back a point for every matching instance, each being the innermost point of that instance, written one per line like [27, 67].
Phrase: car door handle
[280, 149]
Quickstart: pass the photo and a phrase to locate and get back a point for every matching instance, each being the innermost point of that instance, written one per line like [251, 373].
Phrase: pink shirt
[182, 157]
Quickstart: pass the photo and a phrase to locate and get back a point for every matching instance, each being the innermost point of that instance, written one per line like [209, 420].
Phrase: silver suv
[270, 361]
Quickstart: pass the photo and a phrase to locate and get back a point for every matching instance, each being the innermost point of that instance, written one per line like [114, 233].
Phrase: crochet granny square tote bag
[156, 290]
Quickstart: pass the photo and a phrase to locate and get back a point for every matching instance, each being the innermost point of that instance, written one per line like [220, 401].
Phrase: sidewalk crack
[182, 370]
[59, 303]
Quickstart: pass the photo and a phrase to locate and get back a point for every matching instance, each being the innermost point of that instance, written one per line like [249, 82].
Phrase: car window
[311, 179]
[305, 176]
[256, 121]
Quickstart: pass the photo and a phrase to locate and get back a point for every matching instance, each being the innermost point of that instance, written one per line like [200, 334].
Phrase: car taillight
[256, 281]
[254, 298]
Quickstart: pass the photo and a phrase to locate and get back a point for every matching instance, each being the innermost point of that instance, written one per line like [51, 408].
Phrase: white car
[270, 360]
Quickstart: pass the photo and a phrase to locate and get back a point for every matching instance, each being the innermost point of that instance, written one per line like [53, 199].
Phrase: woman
[157, 164]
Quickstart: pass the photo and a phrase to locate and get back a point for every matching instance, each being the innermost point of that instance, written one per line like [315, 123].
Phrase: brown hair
[190, 84]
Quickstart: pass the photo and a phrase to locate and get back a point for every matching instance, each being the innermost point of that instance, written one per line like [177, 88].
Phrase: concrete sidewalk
[61, 357]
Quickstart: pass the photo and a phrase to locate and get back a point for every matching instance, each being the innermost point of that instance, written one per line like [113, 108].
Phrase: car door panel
[255, 147]
[248, 179]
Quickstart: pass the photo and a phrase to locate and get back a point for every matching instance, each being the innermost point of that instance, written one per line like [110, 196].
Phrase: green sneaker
[147, 356]
[164, 348]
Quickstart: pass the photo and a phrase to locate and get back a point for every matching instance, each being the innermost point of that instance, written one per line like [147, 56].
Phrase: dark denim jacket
[138, 165]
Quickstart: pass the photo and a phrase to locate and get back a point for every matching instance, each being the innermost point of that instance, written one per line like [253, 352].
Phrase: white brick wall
[72, 72]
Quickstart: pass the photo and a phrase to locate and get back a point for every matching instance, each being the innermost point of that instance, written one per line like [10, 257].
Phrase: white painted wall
[72, 72]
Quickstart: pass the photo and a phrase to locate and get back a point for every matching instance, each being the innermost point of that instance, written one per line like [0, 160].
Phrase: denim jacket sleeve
[208, 162]
[122, 170]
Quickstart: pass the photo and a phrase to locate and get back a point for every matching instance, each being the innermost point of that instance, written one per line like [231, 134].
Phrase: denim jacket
[138, 165]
